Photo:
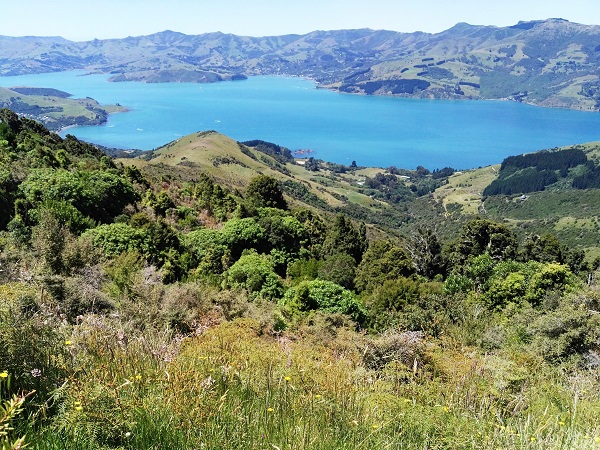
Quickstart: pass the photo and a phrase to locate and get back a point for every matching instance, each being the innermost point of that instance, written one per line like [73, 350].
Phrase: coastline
[121, 109]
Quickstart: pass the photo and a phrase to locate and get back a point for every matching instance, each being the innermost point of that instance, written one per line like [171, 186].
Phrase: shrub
[567, 332]
[324, 295]
[255, 273]
[117, 238]
[338, 268]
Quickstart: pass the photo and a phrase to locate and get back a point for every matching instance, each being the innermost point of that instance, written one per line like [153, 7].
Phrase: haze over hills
[550, 62]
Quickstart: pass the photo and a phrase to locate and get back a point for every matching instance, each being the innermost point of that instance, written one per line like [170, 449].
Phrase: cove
[373, 131]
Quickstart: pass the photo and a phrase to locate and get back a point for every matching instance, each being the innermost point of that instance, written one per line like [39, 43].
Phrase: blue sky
[88, 19]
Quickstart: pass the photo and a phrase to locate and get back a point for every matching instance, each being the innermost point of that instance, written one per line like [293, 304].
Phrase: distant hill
[546, 62]
[54, 108]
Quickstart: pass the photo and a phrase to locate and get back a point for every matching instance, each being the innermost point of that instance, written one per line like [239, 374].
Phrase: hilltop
[399, 201]
[546, 62]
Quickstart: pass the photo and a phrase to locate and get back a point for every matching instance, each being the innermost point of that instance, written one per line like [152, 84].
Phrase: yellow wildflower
[138, 377]
[4, 374]
[288, 379]
[67, 342]
[318, 396]
[270, 410]
[375, 426]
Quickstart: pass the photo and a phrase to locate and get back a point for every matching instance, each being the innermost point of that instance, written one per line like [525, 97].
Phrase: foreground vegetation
[148, 306]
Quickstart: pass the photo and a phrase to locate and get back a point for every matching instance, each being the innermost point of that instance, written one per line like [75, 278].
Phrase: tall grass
[232, 387]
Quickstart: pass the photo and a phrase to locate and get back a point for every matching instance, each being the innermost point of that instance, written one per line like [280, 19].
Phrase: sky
[81, 20]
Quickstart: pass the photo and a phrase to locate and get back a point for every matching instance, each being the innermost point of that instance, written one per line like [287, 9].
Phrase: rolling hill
[392, 201]
[55, 109]
[550, 62]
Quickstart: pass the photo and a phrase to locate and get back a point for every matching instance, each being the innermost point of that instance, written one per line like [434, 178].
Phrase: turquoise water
[373, 131]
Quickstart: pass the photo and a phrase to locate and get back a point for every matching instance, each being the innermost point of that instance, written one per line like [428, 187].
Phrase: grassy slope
[465, 188]
[221, 157]
[571, 215]
[71, 108]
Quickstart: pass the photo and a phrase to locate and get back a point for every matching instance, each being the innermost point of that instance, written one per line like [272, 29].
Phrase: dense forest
[141, 311]
[536, 171]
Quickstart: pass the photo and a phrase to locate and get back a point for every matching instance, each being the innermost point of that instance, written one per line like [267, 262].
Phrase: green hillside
[413, 200]
[55, 109]
[215, 294]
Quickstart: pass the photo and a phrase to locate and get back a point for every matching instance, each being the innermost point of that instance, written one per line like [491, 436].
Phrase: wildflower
[78, 408]
[375, 426]
[35, 373]
[532, 439]
[561, 423]
[270, 409]
[127, 434]
[446, 409]
[4, 374]
[67, 342]
[77, 403]
[288, 379]
[138, 377]
[318, 396]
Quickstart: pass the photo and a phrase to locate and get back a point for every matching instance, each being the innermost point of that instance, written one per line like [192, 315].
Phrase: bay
[373, 131]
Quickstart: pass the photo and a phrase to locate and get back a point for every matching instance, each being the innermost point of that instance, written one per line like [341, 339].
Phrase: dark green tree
[265, 191]
[483, 236]
[382, 261]
[544, 248]
[338, 268]
[343, 237]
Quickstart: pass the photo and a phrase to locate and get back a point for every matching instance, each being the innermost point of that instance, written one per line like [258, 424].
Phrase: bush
[97, 194]
[566, 332]
[338, 268]
[117, 238]
[324, 295]
[255, 273]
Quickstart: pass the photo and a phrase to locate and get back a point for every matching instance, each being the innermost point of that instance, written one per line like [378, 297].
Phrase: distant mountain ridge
[550, 62]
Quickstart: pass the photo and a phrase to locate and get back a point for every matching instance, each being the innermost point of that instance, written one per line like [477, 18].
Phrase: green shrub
[566, 332]
[117, 238]
[324, 295]
[255, 273]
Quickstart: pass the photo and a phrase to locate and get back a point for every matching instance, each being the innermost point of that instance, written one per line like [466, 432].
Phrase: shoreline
[109, 113]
